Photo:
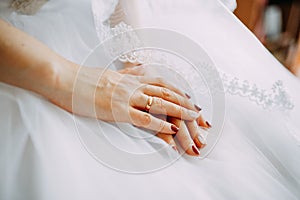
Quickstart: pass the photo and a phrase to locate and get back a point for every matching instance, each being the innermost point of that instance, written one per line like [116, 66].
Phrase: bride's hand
[115, 97]
[27, 63]
[190, 136]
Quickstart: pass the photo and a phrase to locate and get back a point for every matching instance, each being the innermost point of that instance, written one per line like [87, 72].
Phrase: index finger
[159, 81]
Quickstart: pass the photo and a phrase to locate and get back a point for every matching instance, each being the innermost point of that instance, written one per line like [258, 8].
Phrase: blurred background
[276, 24]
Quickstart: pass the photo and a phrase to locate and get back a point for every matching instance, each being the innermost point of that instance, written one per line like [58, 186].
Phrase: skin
[99, 93]
[189, 131]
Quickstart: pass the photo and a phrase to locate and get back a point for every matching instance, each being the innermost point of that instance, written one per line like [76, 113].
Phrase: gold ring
[149, 103]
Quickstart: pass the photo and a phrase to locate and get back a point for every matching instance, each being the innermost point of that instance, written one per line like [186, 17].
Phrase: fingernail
[208, 124]
[188, 96]
[203, 128]
[174, 128]
[195, 150]
[197, 107]
[193, 114]
[202, 139]
[140, 66]
[175, 148]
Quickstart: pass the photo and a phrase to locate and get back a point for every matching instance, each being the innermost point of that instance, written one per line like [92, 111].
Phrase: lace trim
[274, 98]
[27, 7]
[102, 10]
[126, 40]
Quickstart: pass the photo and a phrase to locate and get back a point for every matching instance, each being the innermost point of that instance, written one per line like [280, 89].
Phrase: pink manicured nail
[208, 124]
[198, 108]
[202, 139]
[174, 128]
[175, 148]
[188, 96]
[195, 150]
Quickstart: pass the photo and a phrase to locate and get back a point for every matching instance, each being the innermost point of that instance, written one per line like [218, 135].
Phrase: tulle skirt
[43, 148]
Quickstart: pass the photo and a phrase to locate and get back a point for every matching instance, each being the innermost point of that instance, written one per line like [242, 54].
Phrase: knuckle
[160, 80]
[158, 102]
[179, 110]
[161, 125]
[160, 106]
[165, 93]
[184, 103]
[145, 120]
[136, 98]
[146, 88]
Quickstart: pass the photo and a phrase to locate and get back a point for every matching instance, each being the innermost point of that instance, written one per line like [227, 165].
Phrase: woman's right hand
[191, 135]
[93, 92]
[111, 96]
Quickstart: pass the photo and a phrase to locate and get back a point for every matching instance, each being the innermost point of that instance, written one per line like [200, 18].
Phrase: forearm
[27, 63]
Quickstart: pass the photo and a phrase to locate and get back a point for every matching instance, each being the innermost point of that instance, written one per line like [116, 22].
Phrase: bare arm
[29, 64]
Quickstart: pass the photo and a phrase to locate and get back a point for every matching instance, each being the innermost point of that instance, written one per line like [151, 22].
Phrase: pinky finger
[148, 121]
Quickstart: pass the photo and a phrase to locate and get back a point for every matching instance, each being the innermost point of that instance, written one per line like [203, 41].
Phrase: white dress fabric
[257, 156]
[230, 4]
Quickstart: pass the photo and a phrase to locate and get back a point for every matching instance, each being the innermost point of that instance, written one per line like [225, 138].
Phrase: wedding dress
[47, 153]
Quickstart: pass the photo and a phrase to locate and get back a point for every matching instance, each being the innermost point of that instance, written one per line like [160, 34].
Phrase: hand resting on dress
[29, 64]
[190, 136]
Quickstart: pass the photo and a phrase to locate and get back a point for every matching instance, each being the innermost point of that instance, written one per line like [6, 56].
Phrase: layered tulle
[43, 148]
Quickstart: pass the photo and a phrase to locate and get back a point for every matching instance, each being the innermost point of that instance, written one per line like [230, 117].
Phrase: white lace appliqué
[276, 97]
[125, 40]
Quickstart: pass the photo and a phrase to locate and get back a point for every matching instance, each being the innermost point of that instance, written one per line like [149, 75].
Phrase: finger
[163, 92]
[197, 134]
[158, 81]
[171, 96]
[130, 65]
[148, 121]
[201, 122]
[184, 139]
[167, 137]
[160, 106]
[137, 71]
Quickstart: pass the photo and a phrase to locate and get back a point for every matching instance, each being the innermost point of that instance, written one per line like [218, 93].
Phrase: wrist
[58, 86]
